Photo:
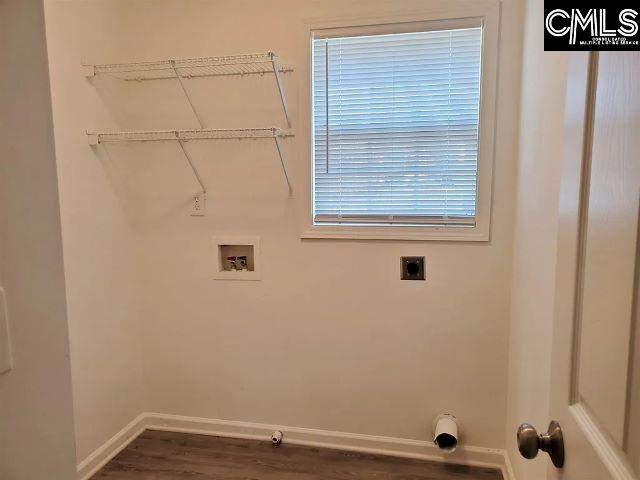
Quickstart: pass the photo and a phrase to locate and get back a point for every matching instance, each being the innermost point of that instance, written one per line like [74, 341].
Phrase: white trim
[507, 470]
[436, 10]
[6, 357]
[396, 233]
[610, 454]
[399, 27]
[103, 454]
[398, 447]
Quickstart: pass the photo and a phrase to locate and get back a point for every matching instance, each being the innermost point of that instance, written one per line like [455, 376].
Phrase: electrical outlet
[199, 204]
[412, 268]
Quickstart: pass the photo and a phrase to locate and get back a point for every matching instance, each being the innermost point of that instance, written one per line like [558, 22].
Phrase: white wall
[538, 184]
[330, 338]
[36, 417]
[98, 240]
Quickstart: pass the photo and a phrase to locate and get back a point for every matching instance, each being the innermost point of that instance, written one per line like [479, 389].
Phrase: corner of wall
[535, 235]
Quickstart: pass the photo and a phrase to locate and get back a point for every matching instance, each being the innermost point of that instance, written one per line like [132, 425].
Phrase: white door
[596, 351]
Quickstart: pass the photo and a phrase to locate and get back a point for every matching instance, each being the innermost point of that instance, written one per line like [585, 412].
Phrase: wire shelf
[96, 138]
[181, 69]
[248, 64]
[184, 136]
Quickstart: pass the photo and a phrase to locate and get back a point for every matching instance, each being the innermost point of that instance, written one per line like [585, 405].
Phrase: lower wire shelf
[96, 138]
[183, 136]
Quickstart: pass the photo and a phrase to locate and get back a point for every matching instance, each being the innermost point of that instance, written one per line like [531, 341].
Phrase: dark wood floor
[163, 456]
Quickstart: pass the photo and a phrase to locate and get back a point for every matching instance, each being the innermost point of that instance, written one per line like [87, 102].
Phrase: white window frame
[453, 15]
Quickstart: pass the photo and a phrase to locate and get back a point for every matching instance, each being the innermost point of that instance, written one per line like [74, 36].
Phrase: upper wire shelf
[248, 64]
[181, 69]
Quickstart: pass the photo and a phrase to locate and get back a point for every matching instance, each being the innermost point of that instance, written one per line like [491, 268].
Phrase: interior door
[596, 356]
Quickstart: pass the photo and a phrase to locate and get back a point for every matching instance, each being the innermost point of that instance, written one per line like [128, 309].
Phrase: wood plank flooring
[162, 456]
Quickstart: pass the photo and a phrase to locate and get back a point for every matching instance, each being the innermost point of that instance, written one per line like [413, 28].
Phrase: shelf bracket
[191, 164]
[186, 92]
[283, 161]
[276, 74]
[93, 138]
[89, 70]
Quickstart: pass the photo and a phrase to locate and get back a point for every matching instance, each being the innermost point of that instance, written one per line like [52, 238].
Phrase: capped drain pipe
[446, 431]
[276, 438]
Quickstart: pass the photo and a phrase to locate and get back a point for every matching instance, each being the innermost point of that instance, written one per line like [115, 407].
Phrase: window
[396, 121]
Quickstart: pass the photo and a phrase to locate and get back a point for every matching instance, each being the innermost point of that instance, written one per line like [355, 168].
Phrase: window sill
[449, 234]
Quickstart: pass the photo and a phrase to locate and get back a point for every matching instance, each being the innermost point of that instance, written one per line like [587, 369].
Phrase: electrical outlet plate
[198, 204]
[412, 268]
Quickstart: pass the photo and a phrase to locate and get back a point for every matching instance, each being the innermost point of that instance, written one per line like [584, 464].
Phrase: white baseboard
[399, 447]
[101, 456]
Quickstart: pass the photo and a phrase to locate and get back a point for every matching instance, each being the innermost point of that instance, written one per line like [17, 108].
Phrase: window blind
[395, 124]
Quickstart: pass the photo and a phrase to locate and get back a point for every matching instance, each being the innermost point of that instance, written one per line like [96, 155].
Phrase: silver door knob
[529, 442]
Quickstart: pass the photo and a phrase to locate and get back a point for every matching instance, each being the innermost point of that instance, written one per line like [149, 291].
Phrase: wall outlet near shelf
[198, 204]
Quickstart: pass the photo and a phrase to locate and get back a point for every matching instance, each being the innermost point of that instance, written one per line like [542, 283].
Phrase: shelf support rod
[283, 161]
[186, 93]
[191, 164]
[276, 74]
